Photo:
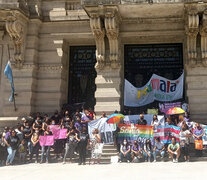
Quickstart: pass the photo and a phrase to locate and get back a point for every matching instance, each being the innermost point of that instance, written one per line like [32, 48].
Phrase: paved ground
[121, 171]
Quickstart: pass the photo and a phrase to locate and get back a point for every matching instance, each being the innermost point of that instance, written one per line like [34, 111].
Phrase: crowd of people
[133, 152]
[22, 142]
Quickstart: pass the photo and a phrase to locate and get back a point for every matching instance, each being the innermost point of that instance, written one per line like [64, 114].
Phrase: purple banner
[165, 106]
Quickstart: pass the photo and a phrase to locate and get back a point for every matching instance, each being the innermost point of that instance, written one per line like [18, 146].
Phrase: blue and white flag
[8, 73]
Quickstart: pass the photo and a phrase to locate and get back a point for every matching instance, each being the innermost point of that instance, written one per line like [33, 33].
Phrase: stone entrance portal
[141, 61]
[82, 75]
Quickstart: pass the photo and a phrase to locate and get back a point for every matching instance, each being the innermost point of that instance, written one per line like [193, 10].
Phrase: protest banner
[52, 127]
[135, 132]
[60, 133]
[158, 88]
[164, 107]
[105, 129]
[46, 140]
[167, 132]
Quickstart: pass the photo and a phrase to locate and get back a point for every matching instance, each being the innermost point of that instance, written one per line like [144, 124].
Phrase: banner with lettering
[135, 132]
[105, 129]
[164, 107]
[46, 140]
[158, 88]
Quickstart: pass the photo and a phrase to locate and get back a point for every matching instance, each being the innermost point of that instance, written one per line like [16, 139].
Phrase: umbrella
[114, 118]
[175, 110]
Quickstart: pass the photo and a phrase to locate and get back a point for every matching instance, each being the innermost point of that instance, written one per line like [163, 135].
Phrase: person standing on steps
[96, 149]
[83, 140]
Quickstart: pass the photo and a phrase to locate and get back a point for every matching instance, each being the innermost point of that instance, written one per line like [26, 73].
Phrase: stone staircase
[108, 152]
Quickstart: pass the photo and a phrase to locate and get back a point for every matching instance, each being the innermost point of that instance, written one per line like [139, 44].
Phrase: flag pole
[13, 94]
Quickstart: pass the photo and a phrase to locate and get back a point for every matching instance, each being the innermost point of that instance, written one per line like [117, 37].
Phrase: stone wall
[47, 29]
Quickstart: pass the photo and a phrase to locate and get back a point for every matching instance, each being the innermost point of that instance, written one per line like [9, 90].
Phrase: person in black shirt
[83, 139]
[27, 132]
[142, 121]
[56, 117]
[12, 143]
[46, 149]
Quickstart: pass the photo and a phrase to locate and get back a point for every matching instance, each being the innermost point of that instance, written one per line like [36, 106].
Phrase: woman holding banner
[46, 149]
[96, 147]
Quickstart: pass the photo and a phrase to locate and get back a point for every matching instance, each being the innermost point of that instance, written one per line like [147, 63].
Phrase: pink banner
[52, 127]
[60, 133]
[46, 140]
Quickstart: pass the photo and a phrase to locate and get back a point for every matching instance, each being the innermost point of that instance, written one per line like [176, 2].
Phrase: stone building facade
[39, 37]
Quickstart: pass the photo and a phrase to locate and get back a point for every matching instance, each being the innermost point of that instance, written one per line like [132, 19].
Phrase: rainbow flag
[135, 132]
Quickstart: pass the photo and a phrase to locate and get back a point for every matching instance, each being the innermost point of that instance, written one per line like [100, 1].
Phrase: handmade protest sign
[46, 140]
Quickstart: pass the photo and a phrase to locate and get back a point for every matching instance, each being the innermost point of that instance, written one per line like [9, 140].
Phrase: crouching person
[136, 152]
[125, 151]
[148, 150]
[174, 150]
[158, 148]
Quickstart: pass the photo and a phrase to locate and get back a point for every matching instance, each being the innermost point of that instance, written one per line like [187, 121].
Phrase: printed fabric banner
[158, 88]
[46, 140]
[105, 129]
[135, 132]
[167, 132]
[165, 106]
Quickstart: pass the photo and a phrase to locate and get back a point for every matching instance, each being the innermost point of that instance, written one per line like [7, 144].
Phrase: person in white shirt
[185, 134]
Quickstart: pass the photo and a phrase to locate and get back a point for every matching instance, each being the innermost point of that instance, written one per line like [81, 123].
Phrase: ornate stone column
[99, 35]
[203, 33]
[112, 19]
[192, 29]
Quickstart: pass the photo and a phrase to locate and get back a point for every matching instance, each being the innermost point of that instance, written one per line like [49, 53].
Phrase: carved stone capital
[192, 29]
[16, 25]
[99, 34]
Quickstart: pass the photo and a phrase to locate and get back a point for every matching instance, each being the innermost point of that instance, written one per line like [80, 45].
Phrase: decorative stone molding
[192, 29]
[50, 67]
[112, 20]
[99, 34]
[203, 33]
[16, 25]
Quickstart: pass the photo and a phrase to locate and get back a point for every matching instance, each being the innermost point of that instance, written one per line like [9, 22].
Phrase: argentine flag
[8, 73]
